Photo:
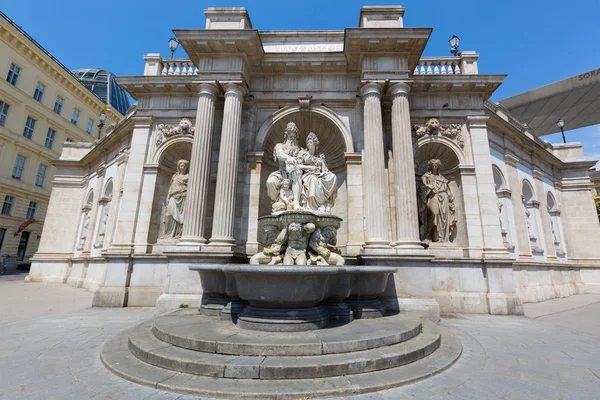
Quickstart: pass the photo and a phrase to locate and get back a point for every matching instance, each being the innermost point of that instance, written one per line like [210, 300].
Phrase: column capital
[142, 121]
[209, 88]
[477, 121]
[399, 89]
[371, 88]
[236, 88]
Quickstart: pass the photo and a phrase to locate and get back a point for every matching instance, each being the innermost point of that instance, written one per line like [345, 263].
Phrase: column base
[191, 243]
[377, 246]
[410, 248]
[220, 245]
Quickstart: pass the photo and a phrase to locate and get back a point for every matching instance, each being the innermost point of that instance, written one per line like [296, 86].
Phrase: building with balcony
[477, 213]
[42, 106]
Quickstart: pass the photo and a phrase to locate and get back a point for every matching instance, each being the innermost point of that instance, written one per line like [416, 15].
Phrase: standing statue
[436, 206]
[176, 201]
[313, 186]
[86, 228]
[322, 242]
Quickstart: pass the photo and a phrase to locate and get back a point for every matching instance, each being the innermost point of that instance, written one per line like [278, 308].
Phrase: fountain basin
[287, 297]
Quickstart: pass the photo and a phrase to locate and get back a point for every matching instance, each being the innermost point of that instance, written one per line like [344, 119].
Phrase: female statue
[319, 184]
[436, 207]
[176, 200]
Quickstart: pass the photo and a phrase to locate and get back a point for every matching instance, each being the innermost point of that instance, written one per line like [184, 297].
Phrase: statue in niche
[322, 243]
[436, 205]
[86, 227]
[103, 221]
[273, 241]
[298, 236]
[313, 186]
[528, 221]
[176, 201]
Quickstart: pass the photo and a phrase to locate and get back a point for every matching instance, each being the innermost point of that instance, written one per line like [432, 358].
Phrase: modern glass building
[105, 86]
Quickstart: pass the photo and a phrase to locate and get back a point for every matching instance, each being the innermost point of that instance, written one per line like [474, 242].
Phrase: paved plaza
[51, 339]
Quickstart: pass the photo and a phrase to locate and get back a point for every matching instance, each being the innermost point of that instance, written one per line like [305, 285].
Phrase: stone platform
[202, 355]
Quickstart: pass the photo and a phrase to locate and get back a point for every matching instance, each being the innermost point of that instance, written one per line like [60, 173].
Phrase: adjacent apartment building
[42, 105]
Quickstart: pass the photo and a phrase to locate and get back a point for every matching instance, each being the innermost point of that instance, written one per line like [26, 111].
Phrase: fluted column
[407, 222]
[227, 172]
[376, 215]
[199, 173]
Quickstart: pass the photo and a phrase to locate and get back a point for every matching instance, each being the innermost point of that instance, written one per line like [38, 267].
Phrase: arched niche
[334, 141]
[103, 216]
[166, 166]
[532, 218]
[450, 157]
[503, 195]
[84, 227]
[555, 224]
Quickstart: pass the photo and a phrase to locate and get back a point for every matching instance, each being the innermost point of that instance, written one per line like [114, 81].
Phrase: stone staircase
[201, 355]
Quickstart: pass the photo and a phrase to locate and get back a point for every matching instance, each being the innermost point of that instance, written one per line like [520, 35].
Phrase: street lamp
[101, 124]
[454, 42]
[173, 43]
[561, 125]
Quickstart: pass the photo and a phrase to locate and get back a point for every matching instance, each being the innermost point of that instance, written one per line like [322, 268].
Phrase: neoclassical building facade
[477, 213]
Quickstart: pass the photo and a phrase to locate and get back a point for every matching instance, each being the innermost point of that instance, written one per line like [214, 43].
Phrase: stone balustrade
[464, 64]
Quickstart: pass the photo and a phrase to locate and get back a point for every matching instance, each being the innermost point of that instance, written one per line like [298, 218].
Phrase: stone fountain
[295, 321]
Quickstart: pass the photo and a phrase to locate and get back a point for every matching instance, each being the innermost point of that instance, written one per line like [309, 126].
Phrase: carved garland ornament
[433, 127]
[166, 131]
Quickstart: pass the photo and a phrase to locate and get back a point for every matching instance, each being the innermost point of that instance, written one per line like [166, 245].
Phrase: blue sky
[534, 42]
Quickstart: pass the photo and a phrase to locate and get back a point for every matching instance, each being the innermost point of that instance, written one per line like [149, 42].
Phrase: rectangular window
[2, 234]
[90, 126]
[50, 138]
[31, 210]
[75, 116]
[29, 127]
[58, 104]
[18, 168]
[41, 175]
[13, 74]
[3, 112]
[8, 205]
[39, 91]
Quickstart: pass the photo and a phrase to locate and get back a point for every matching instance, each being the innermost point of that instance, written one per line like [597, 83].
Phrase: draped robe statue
[176, 201]
[436, 205]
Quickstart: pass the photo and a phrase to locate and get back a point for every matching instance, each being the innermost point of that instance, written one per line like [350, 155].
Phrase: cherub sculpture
[286, 197]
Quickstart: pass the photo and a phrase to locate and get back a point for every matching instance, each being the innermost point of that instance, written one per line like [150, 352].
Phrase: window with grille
[39, 91]
[41, 175]
[29, 128]
[13, 74]
[19, 166]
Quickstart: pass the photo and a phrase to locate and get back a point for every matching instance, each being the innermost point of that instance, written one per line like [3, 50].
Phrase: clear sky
[534, 42]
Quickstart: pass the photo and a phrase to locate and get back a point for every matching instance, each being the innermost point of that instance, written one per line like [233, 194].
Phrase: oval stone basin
[287, 297]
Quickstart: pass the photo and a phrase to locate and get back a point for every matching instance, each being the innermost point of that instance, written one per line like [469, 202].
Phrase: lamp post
[101, 124]
[454, 42]
[173, 43]
[561, 125]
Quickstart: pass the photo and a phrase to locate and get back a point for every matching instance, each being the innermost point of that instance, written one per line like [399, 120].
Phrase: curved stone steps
[145, 346]
[117, 358]
[210, 335]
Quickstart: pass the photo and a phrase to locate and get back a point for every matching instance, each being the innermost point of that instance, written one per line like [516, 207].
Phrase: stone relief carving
[437, 211]
[174, 208]
[313, 186]
[166, 131]
[433, 127]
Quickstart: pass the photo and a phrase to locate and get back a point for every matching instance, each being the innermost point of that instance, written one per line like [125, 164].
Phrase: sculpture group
[303, 181]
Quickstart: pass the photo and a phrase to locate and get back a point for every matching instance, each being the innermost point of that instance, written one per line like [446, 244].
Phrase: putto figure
[313, 186]
[176, 201]
[436, 205]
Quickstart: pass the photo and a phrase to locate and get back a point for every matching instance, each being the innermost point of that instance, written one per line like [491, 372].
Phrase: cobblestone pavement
[51, 339]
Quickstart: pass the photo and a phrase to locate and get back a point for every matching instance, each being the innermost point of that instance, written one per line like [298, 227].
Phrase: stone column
[223, 217]
[407, 222]
[486, 189]
[522, 239]
[199, 173]
[376, 216]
